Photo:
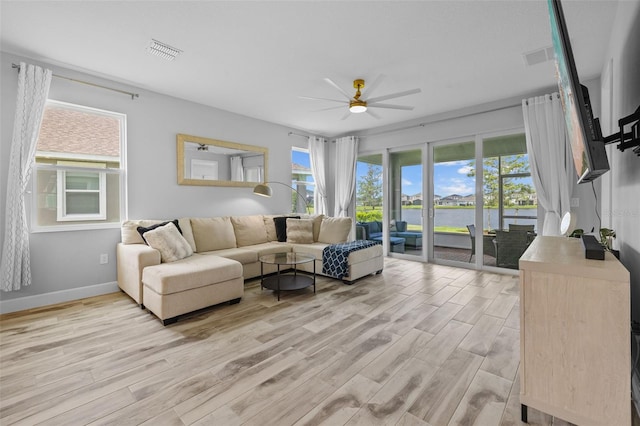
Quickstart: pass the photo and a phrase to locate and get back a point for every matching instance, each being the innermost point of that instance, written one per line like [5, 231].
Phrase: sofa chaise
[399, 237]
[180, 266]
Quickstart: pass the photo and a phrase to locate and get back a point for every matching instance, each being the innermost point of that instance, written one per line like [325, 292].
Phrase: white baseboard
[39, 300]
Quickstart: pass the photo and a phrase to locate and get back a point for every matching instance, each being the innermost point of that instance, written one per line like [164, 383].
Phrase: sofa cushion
[270, 227]
[243, 255]
[187, 232]
[193, 272]
[269, 248]
[300, 231]
[249, 230]
[169, 242]
[281, 226]
[334, 230]
[213, 233]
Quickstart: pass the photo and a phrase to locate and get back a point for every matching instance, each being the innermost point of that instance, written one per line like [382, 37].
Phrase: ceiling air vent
[538, 56]
[163, 50]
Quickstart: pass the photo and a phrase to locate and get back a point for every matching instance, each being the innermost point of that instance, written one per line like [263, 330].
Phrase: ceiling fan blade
[389, 106]
[322, 99]
[347, 115]
[373, 114]
[346, 95]
[394, 95]
[330, 108]
[372, 87]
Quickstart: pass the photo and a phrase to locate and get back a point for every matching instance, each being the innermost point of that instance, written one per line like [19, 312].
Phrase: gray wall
[622, 191]
[65, 265]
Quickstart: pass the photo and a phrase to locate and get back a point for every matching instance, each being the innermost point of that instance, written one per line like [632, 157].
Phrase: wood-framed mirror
[212, 162]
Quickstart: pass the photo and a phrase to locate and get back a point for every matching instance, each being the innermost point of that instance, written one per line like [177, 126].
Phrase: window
[79, 170]
[302, 181]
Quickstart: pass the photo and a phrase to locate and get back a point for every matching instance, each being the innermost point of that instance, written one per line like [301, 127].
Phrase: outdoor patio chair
[510, 245]
[472, 234]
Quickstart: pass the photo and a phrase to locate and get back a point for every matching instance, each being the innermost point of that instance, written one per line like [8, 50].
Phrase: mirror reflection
[204, 161]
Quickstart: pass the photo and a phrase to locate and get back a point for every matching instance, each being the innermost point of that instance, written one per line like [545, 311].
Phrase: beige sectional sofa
[205, 262]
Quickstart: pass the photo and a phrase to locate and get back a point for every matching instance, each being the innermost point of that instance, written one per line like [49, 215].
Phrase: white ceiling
[256, 58]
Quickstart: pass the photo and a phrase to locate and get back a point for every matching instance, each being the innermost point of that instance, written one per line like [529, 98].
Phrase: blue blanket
[335, 257]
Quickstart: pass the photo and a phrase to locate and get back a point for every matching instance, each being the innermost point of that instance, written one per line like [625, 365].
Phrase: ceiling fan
[358, 105]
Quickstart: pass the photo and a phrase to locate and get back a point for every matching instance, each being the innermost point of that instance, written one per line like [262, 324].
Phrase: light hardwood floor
[419, 344]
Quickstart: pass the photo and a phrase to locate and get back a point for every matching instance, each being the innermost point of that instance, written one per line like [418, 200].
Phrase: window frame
[98, 221]
[63, 191]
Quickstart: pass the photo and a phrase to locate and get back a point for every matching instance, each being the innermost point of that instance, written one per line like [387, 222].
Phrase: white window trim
[63, 216]
[122, 172]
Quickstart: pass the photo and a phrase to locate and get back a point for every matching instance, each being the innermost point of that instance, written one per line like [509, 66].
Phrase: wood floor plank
[388, 405]
[440, 397]
[438, 349]
[502, 305]
[396, 357]
[341, 405]
[504, 355]
[473, 310]
[484, 402]
[439, 318]
[420, 344]
[481, 337]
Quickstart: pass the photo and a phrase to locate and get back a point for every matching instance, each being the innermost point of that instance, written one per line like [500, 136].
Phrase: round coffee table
[287, 280]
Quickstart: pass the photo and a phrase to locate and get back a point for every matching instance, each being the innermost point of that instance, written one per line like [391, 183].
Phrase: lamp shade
[262, 190]
[265, 190]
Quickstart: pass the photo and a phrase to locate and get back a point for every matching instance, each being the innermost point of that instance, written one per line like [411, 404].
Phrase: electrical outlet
[104, 258]
[575, 202]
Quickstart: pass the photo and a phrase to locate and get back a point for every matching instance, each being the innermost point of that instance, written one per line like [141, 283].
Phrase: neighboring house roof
[71, 131]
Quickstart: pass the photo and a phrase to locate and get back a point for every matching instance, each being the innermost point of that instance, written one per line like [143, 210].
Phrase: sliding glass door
[454, 203]
[510, 203]
[406, 203]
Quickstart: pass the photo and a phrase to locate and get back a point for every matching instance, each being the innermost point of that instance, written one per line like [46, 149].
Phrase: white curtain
[317, 157]
[33, 89]
[549, 157]
[346, 156]
[237, 171]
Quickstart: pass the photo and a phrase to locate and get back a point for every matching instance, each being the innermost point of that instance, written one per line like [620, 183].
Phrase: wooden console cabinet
[575, 350]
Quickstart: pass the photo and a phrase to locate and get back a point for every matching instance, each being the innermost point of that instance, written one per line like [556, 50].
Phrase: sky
[451, 177]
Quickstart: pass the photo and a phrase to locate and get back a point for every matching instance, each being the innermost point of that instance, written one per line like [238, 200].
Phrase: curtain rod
[440, 120]
[297, 134]
[133, 95]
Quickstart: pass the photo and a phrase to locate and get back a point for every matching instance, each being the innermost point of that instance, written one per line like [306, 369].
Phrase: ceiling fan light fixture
[357, 106]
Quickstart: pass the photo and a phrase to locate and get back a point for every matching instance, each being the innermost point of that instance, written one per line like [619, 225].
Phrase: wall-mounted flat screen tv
[587, 143]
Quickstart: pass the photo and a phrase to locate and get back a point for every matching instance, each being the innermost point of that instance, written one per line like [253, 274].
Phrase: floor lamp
[265, 190]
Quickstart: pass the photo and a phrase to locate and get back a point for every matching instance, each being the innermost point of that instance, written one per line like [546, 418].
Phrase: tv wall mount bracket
[627, 140]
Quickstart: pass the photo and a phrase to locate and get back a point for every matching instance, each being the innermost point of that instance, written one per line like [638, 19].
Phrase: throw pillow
[300, 231]
[129, 230]
[270, 227]
[144, 229]
[334, 230]
[317, 222]
[169, 242]
[281, 226]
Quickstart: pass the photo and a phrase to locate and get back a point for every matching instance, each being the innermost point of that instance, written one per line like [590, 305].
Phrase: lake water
[463, 217]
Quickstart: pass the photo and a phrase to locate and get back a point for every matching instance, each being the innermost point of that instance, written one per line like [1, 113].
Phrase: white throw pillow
[334, 230]
[300, 231]
[168, 241]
